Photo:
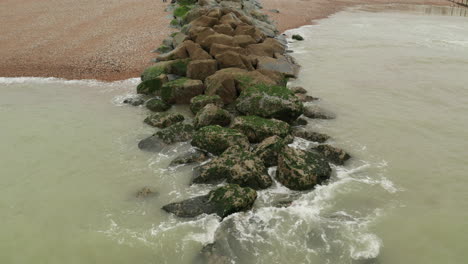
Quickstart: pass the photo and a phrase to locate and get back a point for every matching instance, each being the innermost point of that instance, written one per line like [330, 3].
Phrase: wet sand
[112, 39]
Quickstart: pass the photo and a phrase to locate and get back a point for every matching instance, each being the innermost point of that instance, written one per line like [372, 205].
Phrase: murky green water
[70, 166]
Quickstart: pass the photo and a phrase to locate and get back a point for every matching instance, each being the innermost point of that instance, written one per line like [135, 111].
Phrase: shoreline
[117, 46]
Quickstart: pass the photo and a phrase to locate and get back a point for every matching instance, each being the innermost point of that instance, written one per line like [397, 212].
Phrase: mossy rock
[150, 87]
[216, 139]
[332, 154]
[301, 170]
[211, 115]
[155, 71]
[178, 132]
[200, 101]
[297, 37]
[310, 135]
[163, 120]
[222, 201]
[181, 91]
[192, 156]
[163, 49]
[269, 149]
[257, 128]
[270, 101]
[157, 105]
[182, 10]
[236, 165]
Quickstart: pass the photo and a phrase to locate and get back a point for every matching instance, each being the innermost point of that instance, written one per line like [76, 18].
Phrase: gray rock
[309, 135]
[332, 154]
[192, 156]
[315, 112]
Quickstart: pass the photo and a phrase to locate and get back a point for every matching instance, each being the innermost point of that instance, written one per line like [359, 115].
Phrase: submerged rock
[134, 101]
[309, 135]
[297, 37]
[301, 170]
[236, 165]
[145, 192]
[192, 156]
[269, 149]
[216, 139]
[315, 112]
[257, 128]
[200, 101]
[332, 154]
[179, 132]
[211, 114]
[157, 105]
[222, 201]
[270, 101]
[163, 120]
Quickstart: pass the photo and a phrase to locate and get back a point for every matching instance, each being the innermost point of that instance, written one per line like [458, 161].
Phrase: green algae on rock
[178, 132]
[332, 154]
[212, 114]
[216, 139]
[270, 101]
[200, 101]
[157, 105]
[258, 128]
[223, 201]
[301, 170]
[180, 91]
[269, 149]
[235, 165]
[163, 120]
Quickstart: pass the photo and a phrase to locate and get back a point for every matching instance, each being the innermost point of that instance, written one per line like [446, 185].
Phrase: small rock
[274, 11]
[134, 101]
[157, 105]
[298, 90]
[306, 98]
[297, 37]
[300, 122]
[145, 192]
[178, 132]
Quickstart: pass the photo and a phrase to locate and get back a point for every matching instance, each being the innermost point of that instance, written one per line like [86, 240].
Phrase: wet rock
[309, 135]
[235, 165]
[145, 192]
[297, 37]
[193, 156]
[298, 90]
[222, 201]
[211, 114]
[300, 122]
[306, 98]
[268, 150]
[216, 139]
[257, 128]
[201, 69]
[332, 154]
[270, 101]
[181, 90]
[163, 120]
[157, 105]
[301, 170]
[210, 255]
[200, 101]
[150, 87]
[315, 112]
[178, 132]
[134, 101]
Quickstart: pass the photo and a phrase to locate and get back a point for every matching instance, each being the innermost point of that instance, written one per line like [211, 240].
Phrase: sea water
[70, 167]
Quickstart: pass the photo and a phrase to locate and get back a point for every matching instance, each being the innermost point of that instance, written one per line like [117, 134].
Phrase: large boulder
[236, 165]
[231, 59]
[316, 112]
[217, 39]
[216, 139]
[195, 51]
[282, 66]
[309, 135]
[269, 101]
[222, 201]
[301, 170]
[257, 128]
[211, 114]
[249, 30]
[180, 52]
[199, 34]
[201, 69]
[180, 91]
[157, 105]
[163, 120]
[151, 87]
[269, 149]
[229, 82]
[332, 154]
[217, 49]
[178, 132]
[225, 29]
[200, 101]
[204, 21]
[230, 19]
[244, 40]
[269, 47]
